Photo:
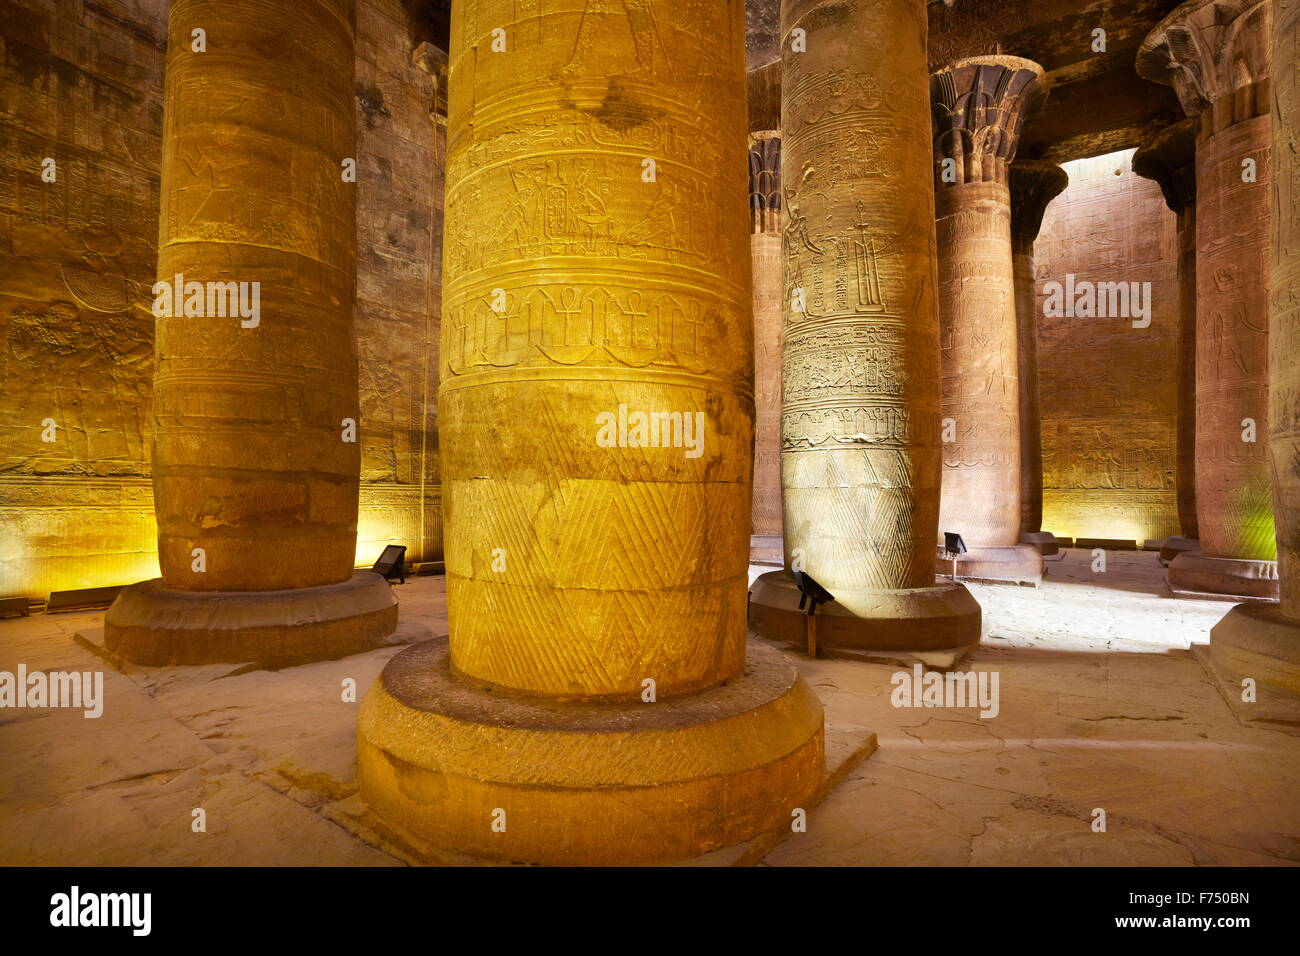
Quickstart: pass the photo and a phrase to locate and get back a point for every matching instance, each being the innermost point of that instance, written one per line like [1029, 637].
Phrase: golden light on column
[255, 476]
[1262, 641]
[980, 107]
[1215, 54]
[595, 702]
[860, 453]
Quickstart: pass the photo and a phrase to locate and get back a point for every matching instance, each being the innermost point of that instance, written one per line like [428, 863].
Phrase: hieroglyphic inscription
[859, 427]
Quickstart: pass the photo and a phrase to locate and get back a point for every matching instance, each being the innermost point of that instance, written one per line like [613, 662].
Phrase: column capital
[765, 180]
[1034, 183]
[433, 60]
[1215, 54]
[1169, 157]
[979, 106]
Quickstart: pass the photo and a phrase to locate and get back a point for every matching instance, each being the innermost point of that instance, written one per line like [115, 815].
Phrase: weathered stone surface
[765, 249]
[1170, 159]
[1263, 642]
[1215, 54]
[157, 626]
[249, 460]
[1033, 185]
[1108, 387]
[1096, 106]
[1284, 303]
[980, 106]
[860, 454]
[401, 137]
[596, 269]
[75, 302]
[83, 89]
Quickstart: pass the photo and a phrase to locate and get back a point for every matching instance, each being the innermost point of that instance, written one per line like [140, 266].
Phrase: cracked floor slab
[1101, 706]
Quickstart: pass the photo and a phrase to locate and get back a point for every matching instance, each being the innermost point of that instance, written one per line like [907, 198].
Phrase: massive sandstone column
[1170, 159]
[597, 701]
[765, 250]
[980, 106]
[1033, 185]
[1262, 641]
[860, 453]
[1215, 54]
[255, 482]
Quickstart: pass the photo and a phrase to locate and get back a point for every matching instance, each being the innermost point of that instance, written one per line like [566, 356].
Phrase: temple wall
[399, 282]
[82, 84]
[1109, 390]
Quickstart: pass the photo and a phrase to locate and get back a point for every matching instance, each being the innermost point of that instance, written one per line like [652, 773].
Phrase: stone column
[765, 251]
[1262, 641]
[1215, 54]
[860, 453]
[255, 460]
[980, 106]
[597, 701]
[1033, 185]
[433, 61]
[1170, 159]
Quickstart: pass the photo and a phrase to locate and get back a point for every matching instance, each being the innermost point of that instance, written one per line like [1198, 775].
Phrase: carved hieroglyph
[1033, 185]
[1261, 641]
[75, 293]
[1108, 377]
[75, 273]
[1215, 54]
[255, 461]
[860, 452]
[765, 250]
[596, 406]
[580, 278]
[249, 458]
[859, 431]
[980, 106]
[1170, 159]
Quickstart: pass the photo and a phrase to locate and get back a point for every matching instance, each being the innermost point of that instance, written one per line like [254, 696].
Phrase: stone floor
[1101, 707]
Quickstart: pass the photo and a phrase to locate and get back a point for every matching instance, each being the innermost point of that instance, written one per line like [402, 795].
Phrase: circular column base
[158, 626]
[539, 781]
[1174, 545]
[1044, 542]
[937, 625]
[1193, 574]
[1017, 564]
[1258, 641]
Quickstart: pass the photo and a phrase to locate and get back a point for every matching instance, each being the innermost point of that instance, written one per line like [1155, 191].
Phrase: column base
[1193, 575]
[1260, 642]
[158, 626]
[936, 625]
[1017, 564]
[1044, 542]
[1174, 545]
[537, 781]
[767, 549]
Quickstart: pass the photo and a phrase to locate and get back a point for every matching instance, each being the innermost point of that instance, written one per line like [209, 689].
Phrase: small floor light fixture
[811, 594]
[392, 563]
[953, 547]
